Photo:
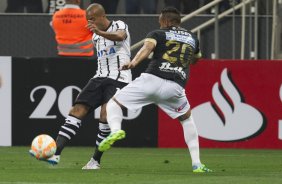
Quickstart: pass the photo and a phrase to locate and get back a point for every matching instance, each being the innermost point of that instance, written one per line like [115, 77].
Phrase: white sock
[114, 115]
[191, 139]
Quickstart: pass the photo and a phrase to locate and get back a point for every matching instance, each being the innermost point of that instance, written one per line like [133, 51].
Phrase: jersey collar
[109, 26]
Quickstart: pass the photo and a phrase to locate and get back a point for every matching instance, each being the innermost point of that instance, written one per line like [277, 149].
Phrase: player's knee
[185, 116]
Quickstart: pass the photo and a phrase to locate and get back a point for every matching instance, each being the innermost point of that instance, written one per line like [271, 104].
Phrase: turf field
[143, 166]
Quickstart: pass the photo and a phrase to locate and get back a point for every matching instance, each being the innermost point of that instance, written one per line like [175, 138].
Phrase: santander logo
[229, 118]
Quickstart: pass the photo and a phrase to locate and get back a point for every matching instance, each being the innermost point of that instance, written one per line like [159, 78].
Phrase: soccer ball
[43, 146]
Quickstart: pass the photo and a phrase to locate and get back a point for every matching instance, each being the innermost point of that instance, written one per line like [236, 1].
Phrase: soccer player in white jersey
[162, 83]
[112, 42]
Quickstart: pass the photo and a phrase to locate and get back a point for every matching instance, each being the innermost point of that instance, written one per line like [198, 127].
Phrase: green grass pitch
[143, 166]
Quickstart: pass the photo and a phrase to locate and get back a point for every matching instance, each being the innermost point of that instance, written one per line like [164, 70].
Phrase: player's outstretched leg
[66, 133]
[107, 143]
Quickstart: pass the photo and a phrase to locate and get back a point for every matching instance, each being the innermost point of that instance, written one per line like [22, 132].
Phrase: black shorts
[98, 91]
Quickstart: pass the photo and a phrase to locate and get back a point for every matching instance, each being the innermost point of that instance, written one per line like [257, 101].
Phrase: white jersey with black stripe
[113, 54]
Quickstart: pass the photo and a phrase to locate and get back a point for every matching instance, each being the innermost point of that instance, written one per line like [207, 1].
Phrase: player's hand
[92, 27]
[127, 66]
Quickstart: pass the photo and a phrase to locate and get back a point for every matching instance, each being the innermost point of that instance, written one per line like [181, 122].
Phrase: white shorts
[148, 89]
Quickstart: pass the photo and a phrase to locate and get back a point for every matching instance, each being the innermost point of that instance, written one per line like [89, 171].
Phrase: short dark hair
[171, 14]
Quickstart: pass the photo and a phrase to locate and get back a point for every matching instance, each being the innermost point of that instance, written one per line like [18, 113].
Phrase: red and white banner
[235, 104]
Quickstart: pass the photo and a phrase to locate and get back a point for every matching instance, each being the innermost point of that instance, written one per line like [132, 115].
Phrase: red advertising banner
[235, 104]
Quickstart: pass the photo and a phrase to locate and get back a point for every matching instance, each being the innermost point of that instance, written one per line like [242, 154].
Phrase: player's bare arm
[142, 54]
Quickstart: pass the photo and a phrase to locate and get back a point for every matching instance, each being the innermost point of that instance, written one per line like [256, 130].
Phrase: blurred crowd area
[124, 6]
